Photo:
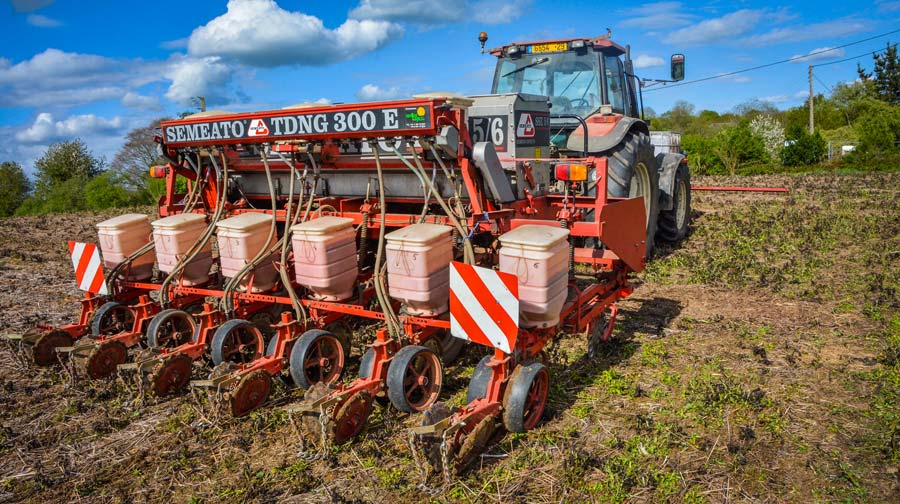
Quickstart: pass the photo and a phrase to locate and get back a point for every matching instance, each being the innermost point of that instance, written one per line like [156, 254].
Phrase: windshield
[568, 78]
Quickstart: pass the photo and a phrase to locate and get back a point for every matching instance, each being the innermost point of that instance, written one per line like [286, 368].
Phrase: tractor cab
[577, 75]
[582, 78]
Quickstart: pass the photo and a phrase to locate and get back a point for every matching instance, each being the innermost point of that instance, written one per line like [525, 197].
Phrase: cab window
[615, 83]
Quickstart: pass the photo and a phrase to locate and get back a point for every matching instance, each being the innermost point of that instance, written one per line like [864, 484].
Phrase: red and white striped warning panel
[484, 306]
[88, 268]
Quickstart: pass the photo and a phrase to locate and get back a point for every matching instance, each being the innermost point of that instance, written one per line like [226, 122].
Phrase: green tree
[736, 146]
[14, 187]
[133, 161]
[107, 191]
[65, 161]
[885, 75]
[878, 129]
[802, 148]
[701, 155]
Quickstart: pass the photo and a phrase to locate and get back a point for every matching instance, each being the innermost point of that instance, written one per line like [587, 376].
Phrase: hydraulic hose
[235, 281]
[393, 323]
[204, 238]
[468, 251]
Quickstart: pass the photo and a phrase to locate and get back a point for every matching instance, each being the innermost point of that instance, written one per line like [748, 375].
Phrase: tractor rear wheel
[631, 173]
[673, 224]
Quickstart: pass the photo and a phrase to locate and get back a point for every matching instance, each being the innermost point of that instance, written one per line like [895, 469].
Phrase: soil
[711, 391]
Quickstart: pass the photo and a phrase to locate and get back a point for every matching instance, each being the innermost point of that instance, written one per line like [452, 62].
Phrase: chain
[417, 458]
[445, 459]
[414, 447]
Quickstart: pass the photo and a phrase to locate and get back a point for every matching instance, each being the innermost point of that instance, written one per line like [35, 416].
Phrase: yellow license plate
[551, 47]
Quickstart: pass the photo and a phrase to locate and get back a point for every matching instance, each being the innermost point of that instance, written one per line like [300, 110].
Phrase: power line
[848, 59]
[766, 65]
[822, 83]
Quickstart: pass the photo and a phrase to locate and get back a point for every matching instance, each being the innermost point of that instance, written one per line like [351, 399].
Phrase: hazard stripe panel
[88, 267]
[484, 306]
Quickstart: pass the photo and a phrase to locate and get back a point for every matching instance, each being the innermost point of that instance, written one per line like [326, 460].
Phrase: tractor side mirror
[677, 67]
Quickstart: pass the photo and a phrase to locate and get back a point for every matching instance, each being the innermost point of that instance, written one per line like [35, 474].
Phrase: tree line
[756, 137]
[69, 178]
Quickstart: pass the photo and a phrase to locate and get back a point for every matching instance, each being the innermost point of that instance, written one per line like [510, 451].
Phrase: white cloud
[371, 92]
[414, 11]
[29, 5]
[46, 130]
[498, 11]
[259, 33]
[775, 99]
[42, 21]
[718, 29]
[820, 54]
[175, 44]
[799, 33]
[137, 101]
[58, 78]
[433, 12]
[193, 77]
[655, 16]
[887, 6]
[646, 61]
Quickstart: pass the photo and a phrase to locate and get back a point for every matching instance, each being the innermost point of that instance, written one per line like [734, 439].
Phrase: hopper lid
[122, 221]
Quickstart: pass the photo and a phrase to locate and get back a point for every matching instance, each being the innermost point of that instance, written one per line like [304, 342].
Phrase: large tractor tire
[673, 224]
[632, 172]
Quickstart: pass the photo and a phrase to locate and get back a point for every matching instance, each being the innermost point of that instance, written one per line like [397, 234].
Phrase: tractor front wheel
[673, 224]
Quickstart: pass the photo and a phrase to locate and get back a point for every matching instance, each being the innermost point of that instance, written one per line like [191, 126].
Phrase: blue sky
[96, 69]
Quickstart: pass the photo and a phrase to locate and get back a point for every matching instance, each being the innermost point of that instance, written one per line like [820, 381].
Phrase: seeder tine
[203, 383]
[12, 337]
[68, 349]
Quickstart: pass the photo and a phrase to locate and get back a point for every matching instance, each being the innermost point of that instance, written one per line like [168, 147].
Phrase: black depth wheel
[171, 328]
[317, 357]
[414, 379]
[525, 397]
[112, 318]
[237, 341]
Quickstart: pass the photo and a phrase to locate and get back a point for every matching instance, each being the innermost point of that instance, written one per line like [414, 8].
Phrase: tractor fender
[601, 139]
[667, 163]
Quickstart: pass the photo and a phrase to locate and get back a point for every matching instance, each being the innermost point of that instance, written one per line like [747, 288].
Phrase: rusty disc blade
[473, 442]
[351, 417]
[104, 360]
[171, 375]
[250, 393]
[44, 349]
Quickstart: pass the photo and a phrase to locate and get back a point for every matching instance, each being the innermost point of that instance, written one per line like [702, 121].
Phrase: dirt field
[756, 361]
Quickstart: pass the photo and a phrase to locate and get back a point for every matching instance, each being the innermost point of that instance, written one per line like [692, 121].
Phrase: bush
[701, 155]
[14, 187]
[737, 145]
[106, 191]
[803, 149]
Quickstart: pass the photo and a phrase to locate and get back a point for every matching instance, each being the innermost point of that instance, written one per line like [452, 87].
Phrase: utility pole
[811, 127]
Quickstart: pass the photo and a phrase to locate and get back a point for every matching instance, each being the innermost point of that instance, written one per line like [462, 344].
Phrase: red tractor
[594, 113]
